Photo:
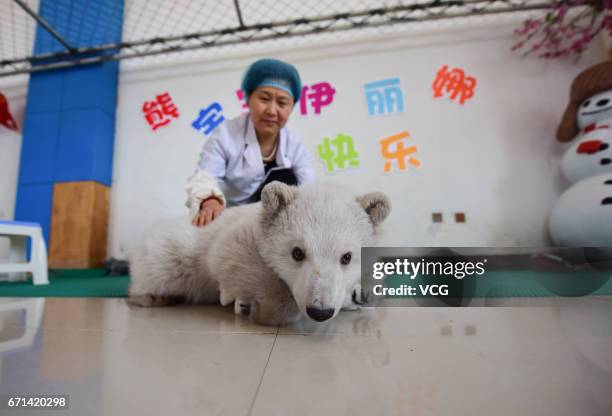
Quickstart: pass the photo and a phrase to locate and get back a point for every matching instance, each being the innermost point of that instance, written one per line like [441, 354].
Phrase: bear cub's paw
[149, 301]
[355, 300]
[242, 307]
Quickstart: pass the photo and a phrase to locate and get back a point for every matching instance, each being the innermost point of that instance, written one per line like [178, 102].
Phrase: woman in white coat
[249, 151]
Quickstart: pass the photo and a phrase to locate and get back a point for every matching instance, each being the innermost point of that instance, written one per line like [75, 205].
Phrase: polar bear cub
[295, 254]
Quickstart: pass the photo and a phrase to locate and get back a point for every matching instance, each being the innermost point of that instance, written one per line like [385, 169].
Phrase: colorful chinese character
[209, 118]
[243, 103]
[338, 152]
[6, 119]
[320, 95]
[455, 83]
[398, 153]
[383, 97]
[160, 112]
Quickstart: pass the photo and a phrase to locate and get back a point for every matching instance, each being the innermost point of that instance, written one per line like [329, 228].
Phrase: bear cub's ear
[376, 205]
[276, 196]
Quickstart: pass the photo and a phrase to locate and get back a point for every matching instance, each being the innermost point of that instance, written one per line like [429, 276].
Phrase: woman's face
[270, 109]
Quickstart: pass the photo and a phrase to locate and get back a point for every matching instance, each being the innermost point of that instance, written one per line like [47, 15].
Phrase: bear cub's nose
[320, 314]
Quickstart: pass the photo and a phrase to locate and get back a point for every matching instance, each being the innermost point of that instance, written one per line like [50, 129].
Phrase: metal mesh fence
[158, 30]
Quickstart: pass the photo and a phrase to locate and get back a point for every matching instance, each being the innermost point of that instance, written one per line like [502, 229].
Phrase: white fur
[246, 254]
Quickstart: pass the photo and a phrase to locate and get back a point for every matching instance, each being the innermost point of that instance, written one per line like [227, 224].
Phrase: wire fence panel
[155, 31]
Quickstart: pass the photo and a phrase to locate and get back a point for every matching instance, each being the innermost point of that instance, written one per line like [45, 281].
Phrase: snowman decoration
[582, 216]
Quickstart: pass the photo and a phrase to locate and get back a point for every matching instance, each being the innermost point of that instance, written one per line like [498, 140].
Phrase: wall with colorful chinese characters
[455, 129]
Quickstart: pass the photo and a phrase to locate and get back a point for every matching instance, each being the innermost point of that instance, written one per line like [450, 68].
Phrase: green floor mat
[74, 283]
[93, 283]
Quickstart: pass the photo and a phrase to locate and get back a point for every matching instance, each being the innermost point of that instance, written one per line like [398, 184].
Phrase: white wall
[495, 158]
[13, 43]
[10, 148]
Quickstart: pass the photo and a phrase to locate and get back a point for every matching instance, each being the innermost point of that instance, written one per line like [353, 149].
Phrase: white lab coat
[231, 166]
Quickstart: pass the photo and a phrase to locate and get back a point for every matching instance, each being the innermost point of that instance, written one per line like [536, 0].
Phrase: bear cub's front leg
[268, 303]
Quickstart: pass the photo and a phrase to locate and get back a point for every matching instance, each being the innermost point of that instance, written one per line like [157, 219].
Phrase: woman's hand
[210, 209]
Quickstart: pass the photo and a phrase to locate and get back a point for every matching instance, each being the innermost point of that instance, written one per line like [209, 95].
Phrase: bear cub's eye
[346, 258]
[298, 254]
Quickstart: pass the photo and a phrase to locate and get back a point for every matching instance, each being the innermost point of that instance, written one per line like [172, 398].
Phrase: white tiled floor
[553, 359]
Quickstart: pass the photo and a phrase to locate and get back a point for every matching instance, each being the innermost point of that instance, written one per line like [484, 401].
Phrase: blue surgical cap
[272, 73]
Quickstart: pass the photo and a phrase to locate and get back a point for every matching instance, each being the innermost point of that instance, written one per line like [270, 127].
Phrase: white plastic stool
[18, 232]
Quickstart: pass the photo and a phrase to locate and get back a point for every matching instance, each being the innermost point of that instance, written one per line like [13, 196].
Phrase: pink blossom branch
[554, 35]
